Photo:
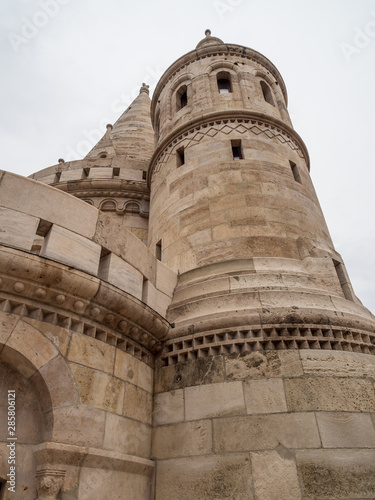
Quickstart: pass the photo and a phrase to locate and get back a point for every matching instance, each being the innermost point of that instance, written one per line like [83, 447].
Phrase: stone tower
[182, 326]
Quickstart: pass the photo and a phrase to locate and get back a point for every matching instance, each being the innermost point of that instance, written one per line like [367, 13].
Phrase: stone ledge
[56, 453]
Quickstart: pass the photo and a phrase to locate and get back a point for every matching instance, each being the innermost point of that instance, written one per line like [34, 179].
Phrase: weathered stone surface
[168, 407]
[99, 389]
[329, 394]
[91, 352]
[201, 478]
[17, 229]
[127, 436]
[137, 404]
[72, 249]
[213, 400]
[263, 364]
[261, 432]
[275, 476]
[196, 372]
[132, 370]
[184, 439]
[338, 474]
[337, 364]
[346, 430]
[265, 396]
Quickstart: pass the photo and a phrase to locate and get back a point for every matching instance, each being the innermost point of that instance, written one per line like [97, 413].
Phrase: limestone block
[263, 364]
[131, 174]
[60, 384]
[194, 372]
[72, 175]
[329, 394]
[72, 249]
[205, 478]
[346, 430]
[91, 352]
[132, 370]
[259, 432]
[338, 364]
[214, 400]
[108, 484]
[27, 349]
[275, 475]
[255, 281]
[42, 201]
[17, 229]
[137, 404]
[168, 407]
[265, 396]
[101, 173]
[81, 426]
[184, 439]
[166, 279]
[127, 436]
[7, 323]
[338, 474]
[48, 179]
[99, 389]
[56, 334]
[121, 274]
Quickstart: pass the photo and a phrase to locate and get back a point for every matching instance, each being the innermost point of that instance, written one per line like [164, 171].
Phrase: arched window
[181, 96]
[267, 93]
[224, 83]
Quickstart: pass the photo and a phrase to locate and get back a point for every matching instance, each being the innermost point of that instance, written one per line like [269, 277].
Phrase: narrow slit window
[180, 157]
[158, 250]
[237, 150]
[267, 93]
[182, 98]
[344, 281]
[295, 172]
[144, 290]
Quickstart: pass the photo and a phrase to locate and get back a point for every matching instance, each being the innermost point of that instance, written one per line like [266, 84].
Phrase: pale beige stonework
[174, 318]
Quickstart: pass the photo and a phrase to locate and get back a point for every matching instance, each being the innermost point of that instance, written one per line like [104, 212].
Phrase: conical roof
[132, 135]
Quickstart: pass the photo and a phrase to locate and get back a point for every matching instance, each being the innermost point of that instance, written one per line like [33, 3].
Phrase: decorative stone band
[266, 338]
[49, 483]
[121, 188]
[224, 123]
[62, 296]
[217, 50]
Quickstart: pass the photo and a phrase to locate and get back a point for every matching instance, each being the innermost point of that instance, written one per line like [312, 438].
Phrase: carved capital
[49, 483]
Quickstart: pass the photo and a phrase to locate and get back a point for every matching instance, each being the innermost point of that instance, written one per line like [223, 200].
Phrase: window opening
[180, 157]
[237, 150]
[295, 172]
[267, 93]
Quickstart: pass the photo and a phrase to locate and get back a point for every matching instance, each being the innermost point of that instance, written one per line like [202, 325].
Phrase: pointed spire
[132, 135]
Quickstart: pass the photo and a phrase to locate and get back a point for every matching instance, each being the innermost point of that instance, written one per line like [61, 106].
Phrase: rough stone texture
[219, 476]
[261, 432]
[338, 474]
[275, 476]
[187, 290]
[185, 439]
[214, 400]
[265, 396]
[329, 394]
[346, 430]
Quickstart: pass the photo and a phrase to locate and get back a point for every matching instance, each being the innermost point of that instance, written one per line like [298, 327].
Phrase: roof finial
[144, 88]
[207, 33]
[61, 160]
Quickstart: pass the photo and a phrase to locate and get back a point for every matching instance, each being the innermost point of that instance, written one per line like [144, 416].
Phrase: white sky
[75, 72]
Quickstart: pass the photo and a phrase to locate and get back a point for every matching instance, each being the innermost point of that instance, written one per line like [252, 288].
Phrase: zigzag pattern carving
[225, 127]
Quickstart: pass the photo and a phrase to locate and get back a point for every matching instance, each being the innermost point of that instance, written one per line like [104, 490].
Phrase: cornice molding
[39, 288]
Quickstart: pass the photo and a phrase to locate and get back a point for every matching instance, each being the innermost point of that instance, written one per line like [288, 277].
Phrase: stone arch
[24, 348]
[183, 81]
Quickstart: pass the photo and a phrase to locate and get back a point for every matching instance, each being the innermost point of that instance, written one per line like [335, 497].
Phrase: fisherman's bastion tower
[175, 321]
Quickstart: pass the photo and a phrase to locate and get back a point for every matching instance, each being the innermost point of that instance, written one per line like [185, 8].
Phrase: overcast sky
[71, 66]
